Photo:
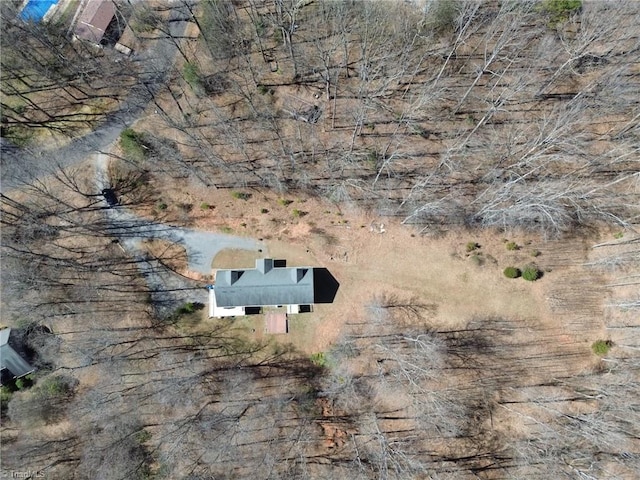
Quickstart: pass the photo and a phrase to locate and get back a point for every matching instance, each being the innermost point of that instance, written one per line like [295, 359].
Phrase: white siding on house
[219, 312]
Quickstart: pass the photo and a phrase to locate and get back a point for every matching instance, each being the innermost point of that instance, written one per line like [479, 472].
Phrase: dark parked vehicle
[110, 197]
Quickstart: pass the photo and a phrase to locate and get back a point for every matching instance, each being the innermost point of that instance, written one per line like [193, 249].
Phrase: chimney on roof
[264, 265]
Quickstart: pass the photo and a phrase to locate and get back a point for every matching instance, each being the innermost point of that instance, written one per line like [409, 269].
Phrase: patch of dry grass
[235, 258]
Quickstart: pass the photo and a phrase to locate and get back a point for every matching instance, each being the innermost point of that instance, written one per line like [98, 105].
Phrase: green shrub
[24, 382]
[601, 347]
[512, 246]
[56, 386]
[187, 308]
[5, 396]
[20, 136]
[142, 436]
[205, 206]
[263, 89]
[241, 195]
[191, 75]
[618, 235]
[284, 202]
[531, 273]
[560, 10]
[45, 403]
[277, 36]
[132, 144]
[162, 206]
[319, 359]
[264, 210]
[471, 246]
[260, 26]
[372, 159]
[512, 272]
[298, 213]
[536, 253]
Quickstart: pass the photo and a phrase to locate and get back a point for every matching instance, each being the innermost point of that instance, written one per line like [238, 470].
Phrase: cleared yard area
[436, 273]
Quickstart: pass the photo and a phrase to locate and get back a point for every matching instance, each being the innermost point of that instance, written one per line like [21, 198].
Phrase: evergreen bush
[531, 273]
[512, 272]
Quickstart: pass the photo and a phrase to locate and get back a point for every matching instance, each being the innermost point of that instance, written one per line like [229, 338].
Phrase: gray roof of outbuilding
[264, 285]
[10, 359]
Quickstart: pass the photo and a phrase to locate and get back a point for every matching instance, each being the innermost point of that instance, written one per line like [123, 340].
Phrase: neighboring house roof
[94, 20]
[264, 285]
[9, 356]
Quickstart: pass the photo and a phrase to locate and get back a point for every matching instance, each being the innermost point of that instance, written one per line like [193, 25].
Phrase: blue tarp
[35, 10]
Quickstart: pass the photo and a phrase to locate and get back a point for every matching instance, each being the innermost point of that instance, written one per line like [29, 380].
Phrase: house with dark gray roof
[12, 363]
[270, 284]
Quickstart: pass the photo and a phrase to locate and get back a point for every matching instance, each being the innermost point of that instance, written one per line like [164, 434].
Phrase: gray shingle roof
[264, 285]
[10, 359]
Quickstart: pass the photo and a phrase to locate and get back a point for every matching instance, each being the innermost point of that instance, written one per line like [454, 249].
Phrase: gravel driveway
[201, 246]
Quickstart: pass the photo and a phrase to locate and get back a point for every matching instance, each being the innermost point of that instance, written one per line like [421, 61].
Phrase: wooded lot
[438, 119]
